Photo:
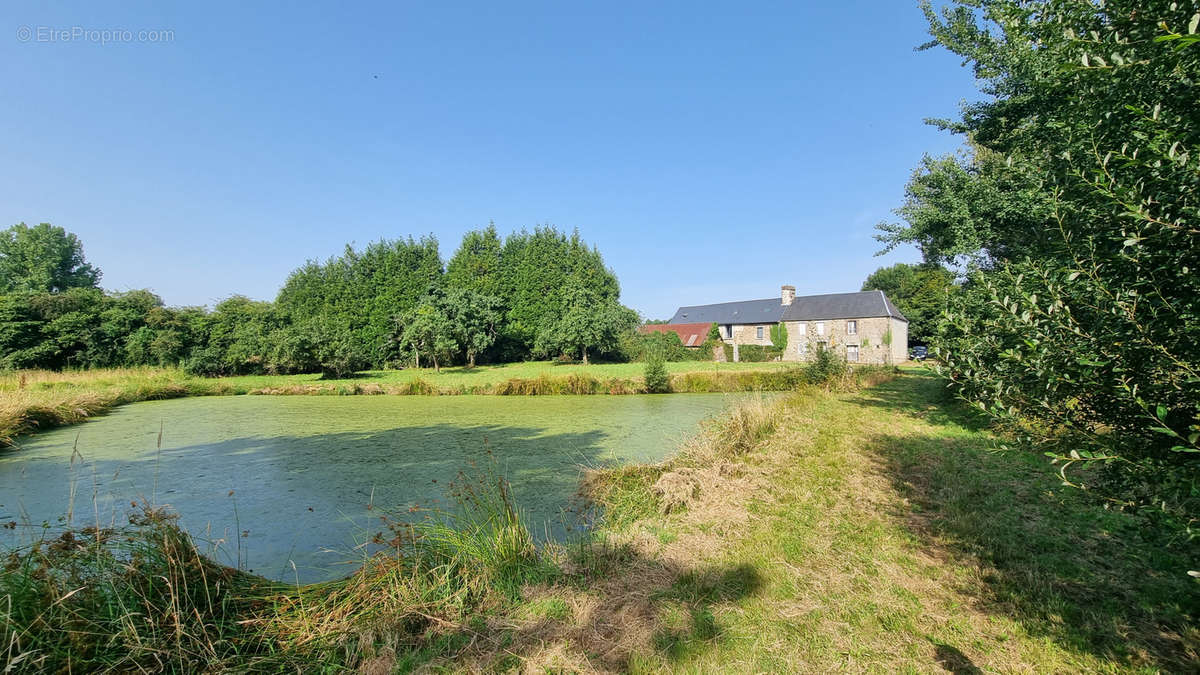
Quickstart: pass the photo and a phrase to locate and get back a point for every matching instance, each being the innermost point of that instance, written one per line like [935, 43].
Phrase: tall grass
[139, 599]
[787, 379]
[32, 400]
[145, 599]
[628, 493]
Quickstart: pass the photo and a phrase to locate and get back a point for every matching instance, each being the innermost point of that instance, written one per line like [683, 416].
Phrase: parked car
[918, 353]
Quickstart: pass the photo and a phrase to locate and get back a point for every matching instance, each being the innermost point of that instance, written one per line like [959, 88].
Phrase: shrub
[206, 362]
[1078, 326]
[756, 353]
[657, 381]
[637, 347]
[825, 367]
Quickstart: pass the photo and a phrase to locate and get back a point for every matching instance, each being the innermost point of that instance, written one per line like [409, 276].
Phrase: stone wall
[747, 334]
[868, 337]
[899, 340]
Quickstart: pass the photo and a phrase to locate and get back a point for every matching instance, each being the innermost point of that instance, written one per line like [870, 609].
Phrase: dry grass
[32, 400]
[871, 531]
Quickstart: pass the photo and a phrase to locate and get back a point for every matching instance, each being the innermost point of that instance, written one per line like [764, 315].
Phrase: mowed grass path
[877, 531]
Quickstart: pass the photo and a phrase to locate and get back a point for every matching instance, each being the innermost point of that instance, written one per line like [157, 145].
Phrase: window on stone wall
[820, 328]
[760, 332]
[851, 352]
[851, 328]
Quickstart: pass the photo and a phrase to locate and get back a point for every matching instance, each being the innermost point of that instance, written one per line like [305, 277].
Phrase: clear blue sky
[711, 151]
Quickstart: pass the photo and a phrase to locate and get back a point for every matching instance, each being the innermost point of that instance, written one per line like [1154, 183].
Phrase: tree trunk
[470, 359]
[585, 356]
[417, 355]
[436, 367]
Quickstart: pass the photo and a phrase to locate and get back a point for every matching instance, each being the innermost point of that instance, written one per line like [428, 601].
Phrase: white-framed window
[851, 328]
[820, 328]
[802, 329]
[801, 347]
[760, 333]
[727, 329]
[851, 353]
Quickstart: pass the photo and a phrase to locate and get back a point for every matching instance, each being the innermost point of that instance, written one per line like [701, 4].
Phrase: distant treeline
[531, 294]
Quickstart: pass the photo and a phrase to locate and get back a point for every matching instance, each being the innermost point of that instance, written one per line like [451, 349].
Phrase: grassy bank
[32, 400]
[836, 528]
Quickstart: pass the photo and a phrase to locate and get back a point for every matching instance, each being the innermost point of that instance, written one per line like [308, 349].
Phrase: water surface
[277, 480]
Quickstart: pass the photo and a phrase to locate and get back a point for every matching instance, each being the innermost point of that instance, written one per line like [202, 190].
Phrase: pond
[272, 481]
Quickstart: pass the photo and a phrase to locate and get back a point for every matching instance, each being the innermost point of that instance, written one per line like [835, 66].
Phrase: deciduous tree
[588, 322]
[920, 292]
[475, 320]
[43, 258]
[1080, 321]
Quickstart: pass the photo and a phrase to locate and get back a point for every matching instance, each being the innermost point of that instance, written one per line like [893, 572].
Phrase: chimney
[788, 294]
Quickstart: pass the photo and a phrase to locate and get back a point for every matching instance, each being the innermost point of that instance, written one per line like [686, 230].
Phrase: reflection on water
[281, 479]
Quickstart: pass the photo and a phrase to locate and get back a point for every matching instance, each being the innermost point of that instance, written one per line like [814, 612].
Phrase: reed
[44, 403]
[138, 599]
[144, 598]
[572, 384]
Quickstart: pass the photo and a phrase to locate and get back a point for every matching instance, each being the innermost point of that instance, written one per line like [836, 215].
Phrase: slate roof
[860, 305]
[691, 334]
[746, 311]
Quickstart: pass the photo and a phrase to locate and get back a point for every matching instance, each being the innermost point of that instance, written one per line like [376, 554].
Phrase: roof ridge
[732, 302]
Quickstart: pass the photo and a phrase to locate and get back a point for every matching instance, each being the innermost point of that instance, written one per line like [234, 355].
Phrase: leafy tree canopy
[476, 264]
[1076, 209]
[588, 322]
[357, 295]
[386, 304]
[920, 293]
[537, 269]
[43, 258]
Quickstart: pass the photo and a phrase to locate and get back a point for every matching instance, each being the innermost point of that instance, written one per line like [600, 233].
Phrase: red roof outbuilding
[690, 334]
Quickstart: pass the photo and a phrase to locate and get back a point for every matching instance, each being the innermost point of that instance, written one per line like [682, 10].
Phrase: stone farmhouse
[864, 327]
